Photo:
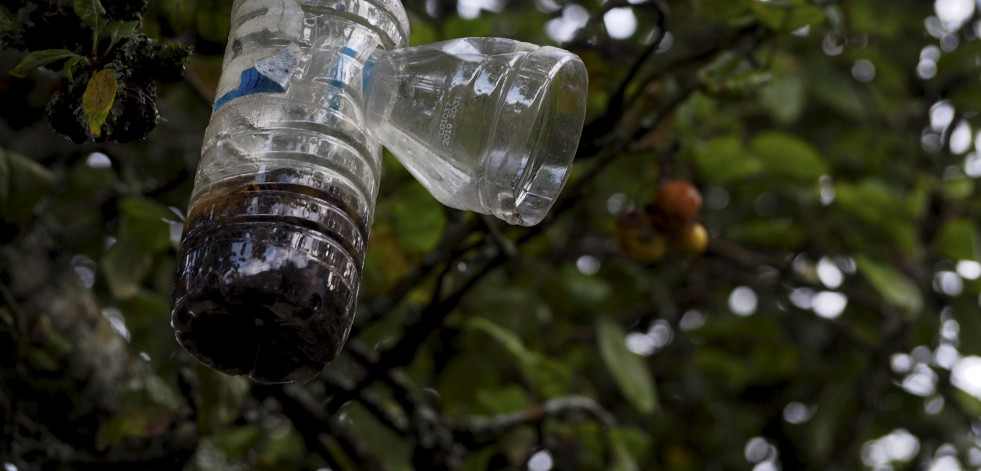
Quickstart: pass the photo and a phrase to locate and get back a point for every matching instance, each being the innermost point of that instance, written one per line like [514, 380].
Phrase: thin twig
[617, 99]
[205, 92]
[614, 110]
[497, 424]
[579, 39]
[444, 250]
[20, 317]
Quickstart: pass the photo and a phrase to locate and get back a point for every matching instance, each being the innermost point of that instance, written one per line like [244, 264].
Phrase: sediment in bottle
[267, 275]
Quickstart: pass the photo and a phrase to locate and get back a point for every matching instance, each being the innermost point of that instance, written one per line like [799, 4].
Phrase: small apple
[675, 204]
[638, 239]
[691, 240]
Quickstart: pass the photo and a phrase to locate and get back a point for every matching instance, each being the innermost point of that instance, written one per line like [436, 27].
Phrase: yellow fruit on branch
[691, 240]
[638, 239]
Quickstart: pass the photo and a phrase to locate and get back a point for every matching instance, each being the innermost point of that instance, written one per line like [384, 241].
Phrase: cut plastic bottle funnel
[485, 124]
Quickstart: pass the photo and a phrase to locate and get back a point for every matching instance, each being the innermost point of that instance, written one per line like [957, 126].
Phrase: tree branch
[497, 424]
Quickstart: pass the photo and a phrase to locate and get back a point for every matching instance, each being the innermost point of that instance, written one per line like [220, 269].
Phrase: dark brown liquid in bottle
[267, 275]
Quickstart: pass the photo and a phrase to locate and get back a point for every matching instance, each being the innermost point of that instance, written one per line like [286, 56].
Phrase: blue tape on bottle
[251, 82]
[369, 67]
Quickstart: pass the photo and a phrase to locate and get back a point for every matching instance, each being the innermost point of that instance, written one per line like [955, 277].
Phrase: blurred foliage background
[833, 322]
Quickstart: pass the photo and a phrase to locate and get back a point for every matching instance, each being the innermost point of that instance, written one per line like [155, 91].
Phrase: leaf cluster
[115, 47]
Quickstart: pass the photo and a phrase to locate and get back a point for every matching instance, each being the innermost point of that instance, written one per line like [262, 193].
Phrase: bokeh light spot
[953, 12]
[563, 28]
[802, 298]
[969, 269]
[941, 114]
[899, 445]
[641, 344]
[620, 22]
[921, 382]
[540, 461]
[961, 138]
[742, 301]
[588, 264]
[901, 363]
[828, 273]
[966, 375]
[756, 449]
[617, 203]
[863, 70]
[798, 412]
[692, 320]
[98, 160]
[829, 304]
[947, 282]
[946, 356]
[934, 405]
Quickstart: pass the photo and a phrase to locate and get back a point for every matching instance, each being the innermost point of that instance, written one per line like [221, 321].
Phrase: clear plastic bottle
[272, 251]
[485, 124]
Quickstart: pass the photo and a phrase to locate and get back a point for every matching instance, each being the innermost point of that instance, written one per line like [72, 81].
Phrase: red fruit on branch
[675, 205]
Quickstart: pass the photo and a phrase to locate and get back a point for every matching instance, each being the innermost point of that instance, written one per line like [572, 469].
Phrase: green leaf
[628, 445]
[237, 441]
[422, 33]
[957, 65]
[120, 29]
[125, 265]
[836, 89]
[504, 399]
[508, 339]
[479, 460]
[959, 188]
[392, 450]
[957, 240]
[783, 15]
[969, 320]
[71, 62]
[833, 404]
[722, 367]
[83, 180]
[582, 288]
[895, 288]
[419, 218]
[784, 98]
[725, 160]
[722, 9]
[23, 182]
[968, 99]
[883, 214]
[627, 368]
[145, 421]
[220, 398]
[788, 156]
[873, 201]
[41, 360]
[39, 58]
[467, 373]
[8, 20]
[99, 94]
[146, 222]
[457, 27]
[548, 377]
[773, 233]
[967, 401]
[89, 11]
